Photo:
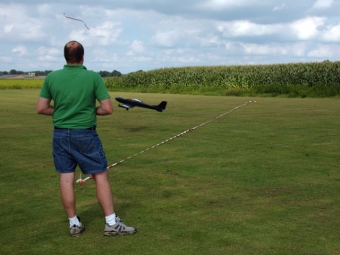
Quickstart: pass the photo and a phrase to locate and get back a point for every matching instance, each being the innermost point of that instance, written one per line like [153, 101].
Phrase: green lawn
[263, 179]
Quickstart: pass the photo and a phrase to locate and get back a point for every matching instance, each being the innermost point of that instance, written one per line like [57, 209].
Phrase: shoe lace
[119, 220]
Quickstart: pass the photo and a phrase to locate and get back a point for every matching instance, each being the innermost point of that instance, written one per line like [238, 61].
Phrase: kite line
[77, 20]
[82, 181]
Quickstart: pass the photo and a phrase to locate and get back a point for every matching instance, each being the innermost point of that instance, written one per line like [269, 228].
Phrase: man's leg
[67, 193]
[104, 192]
[68, 199]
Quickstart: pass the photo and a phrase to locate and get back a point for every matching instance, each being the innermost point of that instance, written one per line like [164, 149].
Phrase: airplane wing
[126, 106]
[126, 103]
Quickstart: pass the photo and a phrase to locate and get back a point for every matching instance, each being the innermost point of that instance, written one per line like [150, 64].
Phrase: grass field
[263, 179]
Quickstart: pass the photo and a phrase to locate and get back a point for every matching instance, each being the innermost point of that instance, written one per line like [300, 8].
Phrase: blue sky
[144, 35]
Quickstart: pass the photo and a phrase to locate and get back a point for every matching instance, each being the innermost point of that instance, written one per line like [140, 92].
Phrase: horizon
[32, 71]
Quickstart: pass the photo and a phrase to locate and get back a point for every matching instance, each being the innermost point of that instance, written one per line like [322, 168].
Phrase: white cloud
[49, 54]
[103, 56]
[264, 49]
[44, 8]
[136, 47]
[277, 8]
[210, 40]
[8, 28]
[323, 4]
[165, 39]
[103, 34]
[6, 59]
[299, 49]
[18, 25]
[224, 4]
[331, 33]
[325, 51]
[21, 50]
[108, 32]
[295, 49]
[176, 32]
[307, 28]
[245, 28]
[179, 56]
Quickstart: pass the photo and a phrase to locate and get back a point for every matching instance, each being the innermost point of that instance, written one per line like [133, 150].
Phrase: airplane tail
[162, 106]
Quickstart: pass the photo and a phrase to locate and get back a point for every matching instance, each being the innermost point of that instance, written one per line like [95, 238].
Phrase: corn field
[292, 80]
[296, 80]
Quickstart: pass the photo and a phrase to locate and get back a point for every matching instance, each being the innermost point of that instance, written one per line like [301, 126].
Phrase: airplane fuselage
[132, 102]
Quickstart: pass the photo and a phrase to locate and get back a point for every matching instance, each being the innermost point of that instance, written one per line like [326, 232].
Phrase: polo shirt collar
[74, 67]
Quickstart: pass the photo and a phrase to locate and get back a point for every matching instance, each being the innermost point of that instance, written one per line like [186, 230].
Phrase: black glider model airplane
[132, 102]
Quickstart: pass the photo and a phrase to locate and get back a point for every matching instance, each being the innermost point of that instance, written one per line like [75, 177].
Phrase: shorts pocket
[57, 145]
[86, 145]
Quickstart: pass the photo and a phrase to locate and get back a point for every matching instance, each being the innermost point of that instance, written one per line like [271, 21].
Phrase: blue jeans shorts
[72, 147]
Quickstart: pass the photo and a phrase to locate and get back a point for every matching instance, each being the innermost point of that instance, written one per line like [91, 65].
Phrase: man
[74, 91]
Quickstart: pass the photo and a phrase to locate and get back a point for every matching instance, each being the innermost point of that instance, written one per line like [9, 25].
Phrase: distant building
[20, 76]
[8, 76]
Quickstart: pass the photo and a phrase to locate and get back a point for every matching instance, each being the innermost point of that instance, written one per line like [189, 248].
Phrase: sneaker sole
[113, 233]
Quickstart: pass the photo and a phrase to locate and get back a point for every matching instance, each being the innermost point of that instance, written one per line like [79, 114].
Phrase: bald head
[74, 52]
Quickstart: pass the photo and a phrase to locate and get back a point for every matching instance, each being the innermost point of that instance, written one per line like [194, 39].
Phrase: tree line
[114, 73]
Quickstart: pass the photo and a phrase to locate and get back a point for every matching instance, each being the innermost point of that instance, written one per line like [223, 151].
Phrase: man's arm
[105, 107]
[44, 106]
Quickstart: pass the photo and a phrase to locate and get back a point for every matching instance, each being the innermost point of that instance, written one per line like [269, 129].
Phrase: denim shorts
[72, 147]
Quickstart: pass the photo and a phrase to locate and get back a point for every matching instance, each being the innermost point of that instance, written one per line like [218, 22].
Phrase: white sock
[111, 219]
[74, 221]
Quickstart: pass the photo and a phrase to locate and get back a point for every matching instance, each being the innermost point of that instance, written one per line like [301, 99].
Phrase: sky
[128, 36]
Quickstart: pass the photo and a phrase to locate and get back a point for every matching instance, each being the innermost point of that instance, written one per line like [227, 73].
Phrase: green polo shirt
[74, 91]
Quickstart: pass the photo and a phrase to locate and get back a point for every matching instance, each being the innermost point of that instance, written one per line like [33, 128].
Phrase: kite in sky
[76, 19]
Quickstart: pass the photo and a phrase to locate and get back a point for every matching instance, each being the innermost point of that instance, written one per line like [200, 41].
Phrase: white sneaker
[76, 230]
[118, 229]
